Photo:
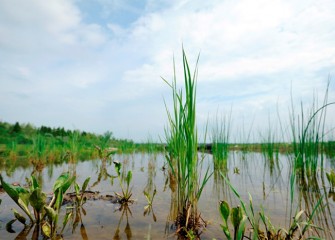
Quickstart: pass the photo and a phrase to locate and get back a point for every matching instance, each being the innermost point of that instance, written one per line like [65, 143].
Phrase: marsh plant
[308, 132]
[125, 197]
[220, 140]
[301, 224]
[182, 144]
[45, 215]
[75, 211]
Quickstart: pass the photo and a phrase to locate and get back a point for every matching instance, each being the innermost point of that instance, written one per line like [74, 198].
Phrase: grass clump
[308, 131]
[220, 141]
[182, 157]
[301, 224]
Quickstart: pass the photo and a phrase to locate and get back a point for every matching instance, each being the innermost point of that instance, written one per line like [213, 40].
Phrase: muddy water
[267, 181]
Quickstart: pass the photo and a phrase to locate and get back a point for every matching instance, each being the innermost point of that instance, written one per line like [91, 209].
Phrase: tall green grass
[182, 144]
[308, 131]
[221, 131]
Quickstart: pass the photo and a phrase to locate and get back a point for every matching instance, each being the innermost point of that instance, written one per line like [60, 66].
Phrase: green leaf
[85, 184]
[59, 199]
[129, 177]
[24, 199]
[241, 228]
[251, 206]
[51, 213]
[46, 229]
[60, 181]
[34, 183]
[10, 190]
[224, 210]
[77, 188]
[225, 230]
[37, 199]
[19, 217]
[24, 207]
[236, 216]
[64, 182]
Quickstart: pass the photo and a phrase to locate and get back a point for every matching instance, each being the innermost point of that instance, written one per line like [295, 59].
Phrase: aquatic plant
[126, 191]
[308, 131]
[45, 215]
[237, 220]
[298, 228]
[182, 145]
[74, 146]
[80, 199]
[75, 211]
[220, 141]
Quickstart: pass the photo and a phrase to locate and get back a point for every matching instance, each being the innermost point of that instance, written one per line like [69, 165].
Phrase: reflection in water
[103, 174]
[310, 192]
[268, 183]
[124, 208]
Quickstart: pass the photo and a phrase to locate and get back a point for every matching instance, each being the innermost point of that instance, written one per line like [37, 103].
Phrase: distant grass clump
[220, 141]
[182, 145]
[308, 132]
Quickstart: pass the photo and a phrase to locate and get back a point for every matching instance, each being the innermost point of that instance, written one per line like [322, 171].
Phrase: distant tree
[28, 129]
[16, 128]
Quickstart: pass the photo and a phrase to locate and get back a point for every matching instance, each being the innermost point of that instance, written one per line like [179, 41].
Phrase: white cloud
[250, 54]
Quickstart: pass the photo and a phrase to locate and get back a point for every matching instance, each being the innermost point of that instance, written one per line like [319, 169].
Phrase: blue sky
[97, 65]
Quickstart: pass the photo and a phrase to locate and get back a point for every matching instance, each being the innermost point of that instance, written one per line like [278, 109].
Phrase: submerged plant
[182, 145]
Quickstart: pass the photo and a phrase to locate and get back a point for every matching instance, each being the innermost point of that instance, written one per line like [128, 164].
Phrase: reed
[220, 140]
[182, 145]
[307, 132]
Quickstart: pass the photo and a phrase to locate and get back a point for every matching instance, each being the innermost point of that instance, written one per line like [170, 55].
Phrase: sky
[97, 65]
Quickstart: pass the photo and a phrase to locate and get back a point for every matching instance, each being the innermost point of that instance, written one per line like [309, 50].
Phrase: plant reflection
[75, 213]
[124, 208]
[103, 174]
[310, 192]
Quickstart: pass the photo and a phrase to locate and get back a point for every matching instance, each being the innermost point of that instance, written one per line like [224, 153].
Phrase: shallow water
[266, 181]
